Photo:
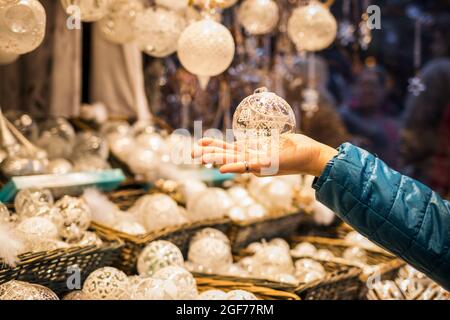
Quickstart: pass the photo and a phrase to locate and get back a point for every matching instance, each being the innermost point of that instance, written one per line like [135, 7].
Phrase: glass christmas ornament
[275, 258]
[190, 188]
[76, 218]
[254, 247]
[255, 211]
[276, 195]
[90, 143]
[120, 24]
[206, 48]
[211, 233]
[146, 288]
[237, 214]
[279, 242]
[312, 27]
[59, 166]
[233, 270]
[181, 281]
[90, 10]
[304, 249]
[22, 26]
[37, 228]
[143, 161]
[8, 58]
[90, 163]
[106, 284]
[358, 239]
[258, 16]
[157, 255]
[4, 214]
[324, 254]
[309, 264]
[175, 5]
[19, 290]
[57, 138]
[355, 254]
[90, 239]
[158, 31]
[130, 227]
[210, 251]
[213, 294]
[286, 278]
[213, 203]
[240, 295]
[262, 115]
[237, 193]
[306, 276]
[158, 211]
[307, 270]
[76, 295]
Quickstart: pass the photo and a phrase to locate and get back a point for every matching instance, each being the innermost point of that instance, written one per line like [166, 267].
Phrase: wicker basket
[52, 268]
[387, 264]
[133, 245]
[243, 233]
[225, 283]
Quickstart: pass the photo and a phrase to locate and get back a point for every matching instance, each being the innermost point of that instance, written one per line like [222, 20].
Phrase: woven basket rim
[269, 218]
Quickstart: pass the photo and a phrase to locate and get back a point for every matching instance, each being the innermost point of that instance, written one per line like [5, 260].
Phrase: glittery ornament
[76, 216]
[59, 166]
[19, 290]
[324, 254]
[158, 31]
[90, 10]
[146, 288]
[258, 16]
[76, 295]
[4, 214]
[276, 195]
[90, 143]
[262, 115]
[183, 281]
[120, 24]
[173, 4]
[190, 188]
[142, 160]
[355, 254]
[106, 284]
[90, 239]
[213, 294]
[304, 249]
[312, 27]
[272, 260]
[240, 295]
[28, 200]
[210, 251]
[213, 203]
[206, 48]
[57, 138]
[130, 227]
[22, 26]
[157, 255]
[307, 270]
[256, 211]
[8, 58]
[158, 211]
[90, 163]
[37, 228]
[237, 214]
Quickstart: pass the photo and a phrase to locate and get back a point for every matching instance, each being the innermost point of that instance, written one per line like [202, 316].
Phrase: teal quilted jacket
[396, 212]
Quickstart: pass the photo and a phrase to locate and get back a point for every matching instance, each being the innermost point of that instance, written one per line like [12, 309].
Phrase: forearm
[397, 212]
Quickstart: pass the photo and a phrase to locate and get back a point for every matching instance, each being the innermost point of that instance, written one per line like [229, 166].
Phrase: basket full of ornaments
[44, 241]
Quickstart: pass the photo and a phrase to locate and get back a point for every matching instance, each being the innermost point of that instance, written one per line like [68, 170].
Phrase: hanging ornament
[258, 16]
[312, 27]
[365, 34]
[8, 58]
[206, 49]
[415, 84]
[346, 32]
[22, 26]
[175, 5]
[310, 103]
[90, 10]
[158, 31]
[119, 25]
[262, 115]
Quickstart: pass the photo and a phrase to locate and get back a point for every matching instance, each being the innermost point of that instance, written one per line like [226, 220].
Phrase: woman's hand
[294, 154]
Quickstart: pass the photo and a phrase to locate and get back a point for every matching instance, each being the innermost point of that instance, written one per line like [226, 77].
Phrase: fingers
[209, 142]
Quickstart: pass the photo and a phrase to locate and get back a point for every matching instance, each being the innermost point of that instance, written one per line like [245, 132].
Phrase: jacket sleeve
[398, 213]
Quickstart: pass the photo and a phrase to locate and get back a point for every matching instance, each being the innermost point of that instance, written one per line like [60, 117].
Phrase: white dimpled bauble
[89, 10]
[213, 203]
[157, 255]
[8, 58]
[19, 290]
[22, 26]
[210, 253]
[258, 16]
[182, 281]
[106, 284]
[275, 258]
[312, 27]
[212, 295]
[173, 4]
[76, 217]
[158, 31]
[261, 115]
[210, 233]
[240, 295]
[206, 48]
[158, 211]
[120, 24]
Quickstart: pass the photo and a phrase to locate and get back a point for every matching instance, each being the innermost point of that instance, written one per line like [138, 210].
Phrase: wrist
[326, 154]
